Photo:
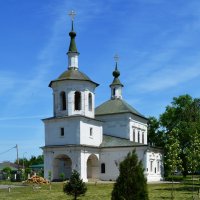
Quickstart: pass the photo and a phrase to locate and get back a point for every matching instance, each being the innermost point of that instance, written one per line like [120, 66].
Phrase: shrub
[75, 186]
[131, 183]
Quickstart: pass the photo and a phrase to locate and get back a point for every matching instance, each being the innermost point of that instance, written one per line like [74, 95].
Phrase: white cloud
[166, 78]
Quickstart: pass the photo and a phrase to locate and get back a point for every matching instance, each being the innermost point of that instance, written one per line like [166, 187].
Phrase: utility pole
[17, 156]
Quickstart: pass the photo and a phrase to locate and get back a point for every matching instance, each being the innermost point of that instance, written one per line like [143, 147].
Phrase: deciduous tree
[183, 115]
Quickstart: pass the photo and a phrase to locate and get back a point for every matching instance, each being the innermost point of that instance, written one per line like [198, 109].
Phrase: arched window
[138, 136]
[103, 168]
[158, 166]
[63, 100]
[143, 137]
[90, 101]
[77, 100]
[151, 165]
[133, 135]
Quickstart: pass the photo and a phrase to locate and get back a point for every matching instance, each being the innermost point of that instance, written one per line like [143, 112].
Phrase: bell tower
[73, 91]
[116, 86]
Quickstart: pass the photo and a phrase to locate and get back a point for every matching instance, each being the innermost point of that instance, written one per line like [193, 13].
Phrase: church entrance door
[62, 167]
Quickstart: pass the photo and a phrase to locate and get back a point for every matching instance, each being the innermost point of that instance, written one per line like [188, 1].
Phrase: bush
[131, 183]
[75, 186]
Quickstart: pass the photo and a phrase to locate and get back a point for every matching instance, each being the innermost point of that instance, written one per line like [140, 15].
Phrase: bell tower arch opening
[77, 100]
[63, 101]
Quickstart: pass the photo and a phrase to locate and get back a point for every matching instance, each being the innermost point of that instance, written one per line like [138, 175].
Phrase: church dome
[73, 74]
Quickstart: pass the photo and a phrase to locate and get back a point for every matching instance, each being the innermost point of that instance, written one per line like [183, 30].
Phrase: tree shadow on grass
[185, 189]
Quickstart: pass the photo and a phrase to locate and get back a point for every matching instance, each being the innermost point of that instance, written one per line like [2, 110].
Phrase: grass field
[183, 191]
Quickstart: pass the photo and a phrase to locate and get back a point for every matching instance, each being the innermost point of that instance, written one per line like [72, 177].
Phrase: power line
[7, 150]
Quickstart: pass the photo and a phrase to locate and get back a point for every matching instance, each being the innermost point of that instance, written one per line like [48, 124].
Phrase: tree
[32, 161]
[75, 186]
[183, 115]
[7, 171]
[172, 158]
[155, 135]
[193, 156]
[131, 183]
[62, 176]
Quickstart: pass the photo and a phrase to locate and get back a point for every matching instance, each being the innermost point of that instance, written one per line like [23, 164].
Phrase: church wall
[112, 158]
[50, 154]
[116, 125]
[138, 131]
[86, 152]
[90, 133]
[53, 131]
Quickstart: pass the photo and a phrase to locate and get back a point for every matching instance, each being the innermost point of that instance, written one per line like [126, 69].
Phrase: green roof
[111, 141]
[37, 166]
[116, 106]
[73, 74]
[116, 81]
[72, 46]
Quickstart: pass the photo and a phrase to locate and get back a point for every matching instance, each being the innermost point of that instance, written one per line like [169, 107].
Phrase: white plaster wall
[85, 153]
[112, 158]
[51, 153]
[70, 87]
[72, 60]
[116, 125]
[138, 126]
[118, 91]
[71, 131]
[85, 138]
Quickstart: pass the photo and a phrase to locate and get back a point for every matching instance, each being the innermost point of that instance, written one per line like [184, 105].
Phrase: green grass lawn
[183, 191]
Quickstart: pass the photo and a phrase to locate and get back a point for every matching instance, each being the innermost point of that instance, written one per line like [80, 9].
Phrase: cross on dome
[72, 14]
[116, 58]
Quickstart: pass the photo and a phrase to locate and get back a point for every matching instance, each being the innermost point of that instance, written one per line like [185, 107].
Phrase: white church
[92, 140]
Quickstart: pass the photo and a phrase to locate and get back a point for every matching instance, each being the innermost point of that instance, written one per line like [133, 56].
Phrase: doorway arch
[62, 164]
[92, 167]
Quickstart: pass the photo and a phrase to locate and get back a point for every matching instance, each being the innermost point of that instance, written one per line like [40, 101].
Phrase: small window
[103, 168]
[91, 132]
[62, 131]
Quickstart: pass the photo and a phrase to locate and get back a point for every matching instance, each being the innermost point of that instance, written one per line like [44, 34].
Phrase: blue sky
[157, 41]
